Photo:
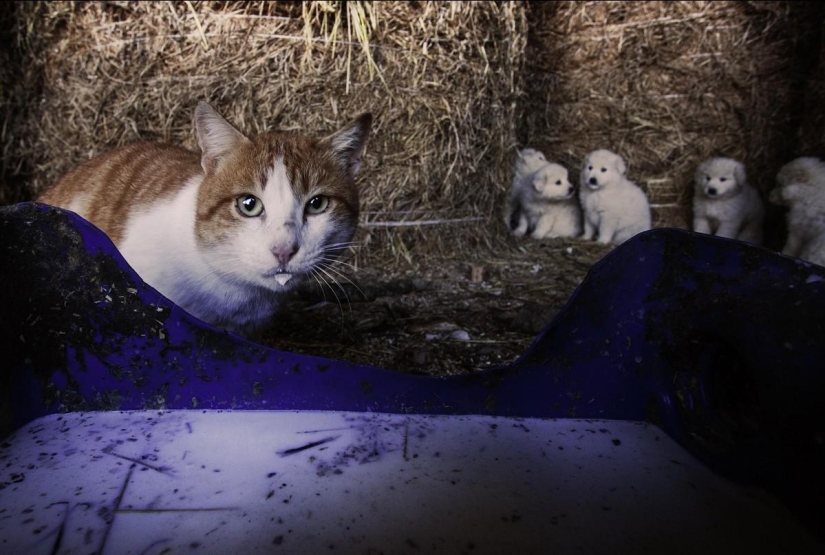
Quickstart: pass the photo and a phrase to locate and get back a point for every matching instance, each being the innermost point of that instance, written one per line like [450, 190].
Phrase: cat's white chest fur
[159, 243]
[156, 233]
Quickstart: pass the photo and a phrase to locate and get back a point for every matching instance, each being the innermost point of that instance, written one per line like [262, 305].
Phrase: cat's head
[276, 207]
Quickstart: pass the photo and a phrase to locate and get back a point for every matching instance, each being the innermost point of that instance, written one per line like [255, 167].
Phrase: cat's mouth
[280, 275]
[283, 278]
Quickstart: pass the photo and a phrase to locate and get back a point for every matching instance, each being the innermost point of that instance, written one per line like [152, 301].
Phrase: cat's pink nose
[285, 252]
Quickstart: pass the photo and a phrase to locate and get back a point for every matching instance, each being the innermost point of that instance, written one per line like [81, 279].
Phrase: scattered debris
[433, 317]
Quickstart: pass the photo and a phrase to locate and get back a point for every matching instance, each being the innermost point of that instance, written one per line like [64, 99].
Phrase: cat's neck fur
[226, 234]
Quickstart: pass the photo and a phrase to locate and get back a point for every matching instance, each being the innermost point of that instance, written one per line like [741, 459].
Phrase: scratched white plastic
[316, 482]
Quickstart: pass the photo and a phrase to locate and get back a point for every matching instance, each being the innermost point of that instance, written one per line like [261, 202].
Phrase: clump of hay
[441, 79]
[669, 84]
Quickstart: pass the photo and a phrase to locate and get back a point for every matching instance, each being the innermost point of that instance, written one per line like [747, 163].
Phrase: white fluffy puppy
[613, 205]
[802, 189]
[528, 162]
[542, 200]
[724, 204]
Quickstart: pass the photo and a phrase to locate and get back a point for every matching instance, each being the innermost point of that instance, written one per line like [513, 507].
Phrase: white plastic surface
[316, 482]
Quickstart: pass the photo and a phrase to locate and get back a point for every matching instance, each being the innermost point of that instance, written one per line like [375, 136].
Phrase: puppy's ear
[583, 172]
[621, 165]
[796, 171]
[539, 181]
[699, 176]
[739, 173]
[566, 176]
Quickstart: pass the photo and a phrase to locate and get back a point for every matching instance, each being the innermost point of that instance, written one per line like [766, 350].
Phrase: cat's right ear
[348, 145]
[216, 136]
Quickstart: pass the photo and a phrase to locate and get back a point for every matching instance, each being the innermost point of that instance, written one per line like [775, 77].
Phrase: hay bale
[16, 84]
[454, 88]
[440, 78]
[668, 84]
[812, 131]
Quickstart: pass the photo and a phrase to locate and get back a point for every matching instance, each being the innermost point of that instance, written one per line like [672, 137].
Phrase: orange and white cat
[226, 234]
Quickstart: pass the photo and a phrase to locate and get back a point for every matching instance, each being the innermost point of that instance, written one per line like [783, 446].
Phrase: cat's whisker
[344, 276]
[206, 278]
[343, 247]
[321, 287]
[344, 244]
[212, 276]
[335, 253]
[236, 280]
[333, 263]
[344, 291]
[340, 306]
[315, 271]
[336, 261]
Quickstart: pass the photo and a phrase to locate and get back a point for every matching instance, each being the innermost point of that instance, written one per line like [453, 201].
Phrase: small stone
[422, 357]
[460, 335]
[420, 284]
[533, 318]
[433, 326]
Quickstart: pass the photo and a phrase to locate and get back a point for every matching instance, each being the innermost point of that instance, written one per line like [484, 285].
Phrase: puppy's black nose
[594, 181]
[570, 190]
[712, 191]
[514, 219]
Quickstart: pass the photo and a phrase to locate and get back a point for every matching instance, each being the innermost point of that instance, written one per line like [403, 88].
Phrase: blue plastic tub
[717, 343]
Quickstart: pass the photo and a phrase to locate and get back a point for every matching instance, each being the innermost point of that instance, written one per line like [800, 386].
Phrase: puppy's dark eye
[590, 168]
[604, 170]
[558, 182]
[723, 179]
[707, 178]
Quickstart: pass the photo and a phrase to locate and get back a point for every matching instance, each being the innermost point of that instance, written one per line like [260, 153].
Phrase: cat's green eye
[317, 205]
[249, 206]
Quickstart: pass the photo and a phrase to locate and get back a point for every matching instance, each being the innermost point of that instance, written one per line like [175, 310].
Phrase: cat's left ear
[348, 144]
[216, 136]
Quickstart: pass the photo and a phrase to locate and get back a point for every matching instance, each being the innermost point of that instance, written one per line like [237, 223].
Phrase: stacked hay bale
[812, 132]
[13, 170]
[441, 79]
[668, 84]
[455, 88]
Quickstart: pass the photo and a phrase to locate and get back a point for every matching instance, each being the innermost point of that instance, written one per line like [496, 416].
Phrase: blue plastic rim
[718, 342]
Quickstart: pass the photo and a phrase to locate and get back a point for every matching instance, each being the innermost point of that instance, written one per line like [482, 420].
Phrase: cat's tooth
[282, 278]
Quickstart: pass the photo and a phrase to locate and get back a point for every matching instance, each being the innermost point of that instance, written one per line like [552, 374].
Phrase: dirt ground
[447, 316]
